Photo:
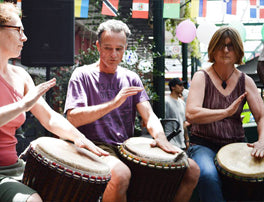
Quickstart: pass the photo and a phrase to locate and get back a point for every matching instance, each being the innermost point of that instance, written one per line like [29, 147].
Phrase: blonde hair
[6, 11]
[218, 39]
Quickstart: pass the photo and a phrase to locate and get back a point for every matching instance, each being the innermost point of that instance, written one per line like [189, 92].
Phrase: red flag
[110, 7]
[140, 9]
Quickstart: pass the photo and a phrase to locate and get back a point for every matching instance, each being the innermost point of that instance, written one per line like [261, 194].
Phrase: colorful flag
[198, 8]
[140, 9]
[171, 9]
[110, 7]
[81, 8]
[256, 8]
[231, 6]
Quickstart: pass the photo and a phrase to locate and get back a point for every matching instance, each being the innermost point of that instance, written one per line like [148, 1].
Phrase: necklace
[223, 81]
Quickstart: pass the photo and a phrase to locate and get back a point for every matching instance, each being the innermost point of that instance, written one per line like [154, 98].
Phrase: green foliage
[89, 56]
[59, 92]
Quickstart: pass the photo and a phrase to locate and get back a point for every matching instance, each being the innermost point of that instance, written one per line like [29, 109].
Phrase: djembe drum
[242, 175]
[60, 171]
[155, 174]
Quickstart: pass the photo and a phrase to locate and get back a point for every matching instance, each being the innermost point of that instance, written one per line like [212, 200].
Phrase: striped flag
[110, 7]
[81, 8]
[171, 9]
[140, 9]
[231, 6]
[256, 8]
[198, 8]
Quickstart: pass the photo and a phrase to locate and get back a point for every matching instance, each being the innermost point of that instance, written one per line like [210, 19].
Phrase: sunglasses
[229, 47]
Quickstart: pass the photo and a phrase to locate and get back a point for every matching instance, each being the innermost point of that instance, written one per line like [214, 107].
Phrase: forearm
[203, 116]
[61, 127]
[10, 112]
[260, 128]
[85, 115]
[154, 127]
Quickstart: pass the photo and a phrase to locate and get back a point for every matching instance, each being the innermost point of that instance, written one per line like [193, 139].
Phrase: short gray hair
[112, 25]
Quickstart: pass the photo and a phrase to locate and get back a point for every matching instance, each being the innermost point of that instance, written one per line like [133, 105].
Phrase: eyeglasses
[229, 47]
[18, 28]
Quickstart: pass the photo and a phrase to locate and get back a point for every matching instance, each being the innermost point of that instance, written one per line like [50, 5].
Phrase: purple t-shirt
[88, 87]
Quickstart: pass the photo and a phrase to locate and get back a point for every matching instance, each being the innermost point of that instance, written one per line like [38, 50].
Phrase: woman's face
[225, 54]
[12, 38]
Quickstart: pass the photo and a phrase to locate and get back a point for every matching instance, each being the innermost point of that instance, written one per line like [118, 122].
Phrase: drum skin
[242, 175]
[59, 171]
[155, 174]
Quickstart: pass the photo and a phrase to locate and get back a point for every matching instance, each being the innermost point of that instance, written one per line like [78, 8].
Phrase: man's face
[178, 88]
[111, 49]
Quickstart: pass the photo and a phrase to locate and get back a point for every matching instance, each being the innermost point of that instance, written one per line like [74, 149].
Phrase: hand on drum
[258, 149]
[165, 145]
[83, 142]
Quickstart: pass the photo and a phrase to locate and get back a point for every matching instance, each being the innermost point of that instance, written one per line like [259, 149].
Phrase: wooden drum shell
[55, 182]
[152, 181]
[238, 185]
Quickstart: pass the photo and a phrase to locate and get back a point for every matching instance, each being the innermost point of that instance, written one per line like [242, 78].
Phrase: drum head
[236, 159]
[139, 148]
[70, 156]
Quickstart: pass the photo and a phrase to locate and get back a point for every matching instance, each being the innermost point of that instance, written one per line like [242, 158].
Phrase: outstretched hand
[35, 93]
[234, 106]
[124, 93]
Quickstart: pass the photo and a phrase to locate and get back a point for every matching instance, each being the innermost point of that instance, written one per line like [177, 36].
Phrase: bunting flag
[81, 8]
[256, 8]
[231, 6]
[198, 8]
[140, 9]
[171, 9]
[110, 7]
[18, 4]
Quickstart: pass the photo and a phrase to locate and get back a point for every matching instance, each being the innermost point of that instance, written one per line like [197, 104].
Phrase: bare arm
[195, 113]
[84, 115]
[255, 103]
[11, 111]
[154, 127]
[56, 123]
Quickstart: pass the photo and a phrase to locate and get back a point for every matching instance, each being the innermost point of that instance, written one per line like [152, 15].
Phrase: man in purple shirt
[102, 101]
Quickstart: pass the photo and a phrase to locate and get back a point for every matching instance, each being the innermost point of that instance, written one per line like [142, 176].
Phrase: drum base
[64, 187]
[234, 190]
[152, 184]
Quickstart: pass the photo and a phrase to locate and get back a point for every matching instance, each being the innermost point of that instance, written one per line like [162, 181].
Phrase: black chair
[170, 123]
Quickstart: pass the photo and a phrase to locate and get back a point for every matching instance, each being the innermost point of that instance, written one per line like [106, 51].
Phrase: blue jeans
[209, 184]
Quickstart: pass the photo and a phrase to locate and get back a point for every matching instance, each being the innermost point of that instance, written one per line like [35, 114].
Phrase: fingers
[250, 145]
[131, 90]
[44, 87]
[165, 146]
[91, 147]
[256, 152]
